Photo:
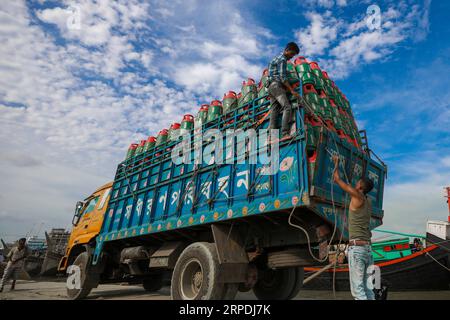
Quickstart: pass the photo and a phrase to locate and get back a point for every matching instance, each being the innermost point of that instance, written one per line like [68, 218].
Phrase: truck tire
[87, 282]
[196, 274]
[300, 276]
[153, 284]
[279, 284]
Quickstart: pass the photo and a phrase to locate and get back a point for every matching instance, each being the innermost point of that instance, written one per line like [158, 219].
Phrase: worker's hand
[336, 160]
[336, 174]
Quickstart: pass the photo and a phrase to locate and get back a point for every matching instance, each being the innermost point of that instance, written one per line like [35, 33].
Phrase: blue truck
[213, 229]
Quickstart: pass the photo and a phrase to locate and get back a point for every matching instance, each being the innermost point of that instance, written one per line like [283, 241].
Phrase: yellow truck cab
[87, 222]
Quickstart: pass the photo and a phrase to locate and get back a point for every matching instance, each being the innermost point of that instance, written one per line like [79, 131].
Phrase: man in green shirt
[359, 247]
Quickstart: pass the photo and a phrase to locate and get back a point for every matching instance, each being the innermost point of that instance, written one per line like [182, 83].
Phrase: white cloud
[342, 46]
[319, 34]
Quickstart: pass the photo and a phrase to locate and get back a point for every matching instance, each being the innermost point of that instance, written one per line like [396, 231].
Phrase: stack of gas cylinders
[330, 108]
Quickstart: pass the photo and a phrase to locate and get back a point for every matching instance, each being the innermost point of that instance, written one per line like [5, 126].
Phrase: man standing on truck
[15, 264]
[359, 246]
[279, 87]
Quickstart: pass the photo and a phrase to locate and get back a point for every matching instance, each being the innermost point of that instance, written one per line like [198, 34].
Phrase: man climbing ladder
[279, 87]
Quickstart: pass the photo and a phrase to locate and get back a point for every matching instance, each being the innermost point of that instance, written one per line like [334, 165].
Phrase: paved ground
[50, 290]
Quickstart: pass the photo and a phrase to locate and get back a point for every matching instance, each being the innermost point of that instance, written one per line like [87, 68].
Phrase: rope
[437, 261]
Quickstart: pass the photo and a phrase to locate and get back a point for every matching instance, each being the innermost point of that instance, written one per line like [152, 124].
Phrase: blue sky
[71, 100]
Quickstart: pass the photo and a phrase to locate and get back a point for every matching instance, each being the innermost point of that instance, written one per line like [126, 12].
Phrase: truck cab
[87, 222]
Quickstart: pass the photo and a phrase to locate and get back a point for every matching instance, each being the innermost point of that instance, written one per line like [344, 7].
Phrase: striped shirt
[278, 68]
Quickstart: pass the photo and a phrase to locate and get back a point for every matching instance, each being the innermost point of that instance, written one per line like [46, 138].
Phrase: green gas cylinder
[187, 124]
[202, 115]
[249, 91]
[162, 137]
[326, 107]
[312, 97]
[131, 150]
[214, 110]
[150, 144]
[292, 74]
[174, 132]
[140, 147]
[308, 78]
[264, 78]
[229, 102]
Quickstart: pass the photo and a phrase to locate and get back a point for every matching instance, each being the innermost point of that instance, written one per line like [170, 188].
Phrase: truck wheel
[299, 277]
[153, 284]
[279, 284]
[196, 274]
[86, 280]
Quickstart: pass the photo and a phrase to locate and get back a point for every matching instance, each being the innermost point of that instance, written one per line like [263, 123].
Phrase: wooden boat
[402, 267]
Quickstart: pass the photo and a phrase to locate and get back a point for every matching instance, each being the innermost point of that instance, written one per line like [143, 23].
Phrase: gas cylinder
[310, 94]
[308, 78]
[187, 124]
[174, 131]
[202, 115]
[326, 106]
[292, 74]
[215, 110]
[229, 102]
[131, 150]
[302, 65]
[249, 91]
[140, 147]
[150, 144]
[264, 78]
[162, 137]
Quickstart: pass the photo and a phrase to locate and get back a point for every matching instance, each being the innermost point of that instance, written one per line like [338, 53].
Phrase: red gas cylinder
[188, 118]
[314, 66]
[300, 60]
[325, 75]
[309, 88]
[151, 139]
[204, 107]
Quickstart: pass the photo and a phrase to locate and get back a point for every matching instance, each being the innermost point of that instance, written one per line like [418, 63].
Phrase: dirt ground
[51, 290]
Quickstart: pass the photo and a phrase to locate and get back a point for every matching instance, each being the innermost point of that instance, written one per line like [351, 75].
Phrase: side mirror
[76, 216]
[78, 207]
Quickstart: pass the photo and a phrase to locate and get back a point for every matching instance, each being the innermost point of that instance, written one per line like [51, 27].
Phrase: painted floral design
[286, 164]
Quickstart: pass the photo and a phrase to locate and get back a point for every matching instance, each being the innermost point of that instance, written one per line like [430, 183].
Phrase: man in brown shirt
[15, 264]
